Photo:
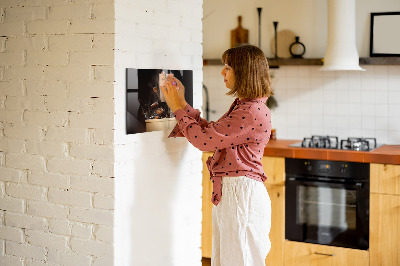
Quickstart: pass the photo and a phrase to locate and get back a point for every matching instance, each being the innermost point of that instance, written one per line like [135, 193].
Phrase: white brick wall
[156, 177]
[56, 132]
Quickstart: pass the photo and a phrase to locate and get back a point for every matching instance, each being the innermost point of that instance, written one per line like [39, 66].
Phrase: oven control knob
[343, 168]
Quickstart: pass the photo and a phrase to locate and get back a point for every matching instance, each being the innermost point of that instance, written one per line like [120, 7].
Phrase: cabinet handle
[324, 254]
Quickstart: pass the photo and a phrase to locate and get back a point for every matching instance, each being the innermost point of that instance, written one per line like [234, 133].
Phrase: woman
[242, 208]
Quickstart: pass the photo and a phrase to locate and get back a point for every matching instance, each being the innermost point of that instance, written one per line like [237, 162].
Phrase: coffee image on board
[145, 103]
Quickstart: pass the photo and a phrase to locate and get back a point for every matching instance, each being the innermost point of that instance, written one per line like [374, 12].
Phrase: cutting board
[239, 35]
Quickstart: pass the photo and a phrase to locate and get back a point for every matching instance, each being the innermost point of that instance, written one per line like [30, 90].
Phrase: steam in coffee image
[146, 109]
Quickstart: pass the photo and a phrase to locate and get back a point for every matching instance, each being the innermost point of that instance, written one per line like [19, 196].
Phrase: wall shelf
[274, 63]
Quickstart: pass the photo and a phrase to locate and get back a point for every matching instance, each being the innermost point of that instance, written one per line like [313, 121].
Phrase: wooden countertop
[389, 154]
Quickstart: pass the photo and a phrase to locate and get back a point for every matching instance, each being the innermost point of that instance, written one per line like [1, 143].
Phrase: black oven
[327, 202]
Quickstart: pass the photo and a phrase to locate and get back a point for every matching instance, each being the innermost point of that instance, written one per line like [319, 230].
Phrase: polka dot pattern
[238, 139]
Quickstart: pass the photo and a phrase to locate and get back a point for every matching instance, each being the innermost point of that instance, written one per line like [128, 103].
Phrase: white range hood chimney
[341, 51]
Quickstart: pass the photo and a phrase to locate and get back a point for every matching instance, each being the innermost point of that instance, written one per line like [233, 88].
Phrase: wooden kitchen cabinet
[274, 168]
[384, 237]
[305, 254]
[206, 232]
[385, 178]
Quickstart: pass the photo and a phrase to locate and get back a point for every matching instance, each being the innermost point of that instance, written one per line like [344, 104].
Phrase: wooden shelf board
[275, 62]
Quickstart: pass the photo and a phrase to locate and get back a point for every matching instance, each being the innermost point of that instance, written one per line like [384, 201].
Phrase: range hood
[341, 51]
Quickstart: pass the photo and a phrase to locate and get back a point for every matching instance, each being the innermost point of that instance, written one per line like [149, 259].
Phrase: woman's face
[229, 76]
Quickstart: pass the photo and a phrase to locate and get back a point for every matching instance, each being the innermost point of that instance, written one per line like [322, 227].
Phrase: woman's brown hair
[250, 66]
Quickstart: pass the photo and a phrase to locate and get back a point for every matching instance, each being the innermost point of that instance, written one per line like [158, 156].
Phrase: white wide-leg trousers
[241, 223]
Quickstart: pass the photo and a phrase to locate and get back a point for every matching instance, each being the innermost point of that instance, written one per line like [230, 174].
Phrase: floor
[206, 261]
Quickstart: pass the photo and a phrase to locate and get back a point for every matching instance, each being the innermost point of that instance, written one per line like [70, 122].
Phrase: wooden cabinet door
[384, 236]
[206, 226]
[277, 233]
[385, 178]
[304, 254]
[274, 168]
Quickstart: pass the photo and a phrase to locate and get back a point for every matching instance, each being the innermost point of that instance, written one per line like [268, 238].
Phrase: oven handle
[357, 185]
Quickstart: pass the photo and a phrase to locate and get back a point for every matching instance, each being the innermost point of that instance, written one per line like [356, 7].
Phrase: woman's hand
[181, 92]
[173, 95]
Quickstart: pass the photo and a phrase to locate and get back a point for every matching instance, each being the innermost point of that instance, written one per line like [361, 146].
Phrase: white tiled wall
[312, 102]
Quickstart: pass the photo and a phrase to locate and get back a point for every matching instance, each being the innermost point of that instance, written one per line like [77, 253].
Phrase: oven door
[327, 213]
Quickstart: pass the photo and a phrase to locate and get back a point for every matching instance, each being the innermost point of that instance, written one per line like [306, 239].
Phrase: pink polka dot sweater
[238, 139]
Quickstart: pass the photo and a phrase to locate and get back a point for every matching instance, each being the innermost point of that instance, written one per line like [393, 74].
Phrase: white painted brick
[24, 73]
[71, 42]
[11, 59]
[60, 227]
[95, 216]
[82, 230]
[91, 26]
[25, 221]
[47, 240]
[91, 89]
[91, 247]
[97, 57]
[103, 202]
[56, 103]
[31, 43]
[25, 191]
[46, 148]
[3, 44]
[191, 48]
[92, 151]
[25, 161]
[12, 145]
[104, 169]
[25, 250]
[12, 117]
[12, 234]
[11, 88]
[12, 204]
[104, 233]
[69, 197]
[99, 120]
[32, 262]
[48, 179]
[46, 2]
[74, 135]
[12, 29]
[2, 222]
[2, 158]
[99, 105]
[93, 184]
[68, 258]
[105, 260]
[46, 118]
[2, 191]
[69, 12]
[24, 13]
[101, 136]
[46, 88]
[11, 260]
[81, 73]
[46, 209]
[103, 11]
[44, 27]
[104, 73]
[46, 58]
[24, 132]
[103, 41]
[25, 103]
[70, 166]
